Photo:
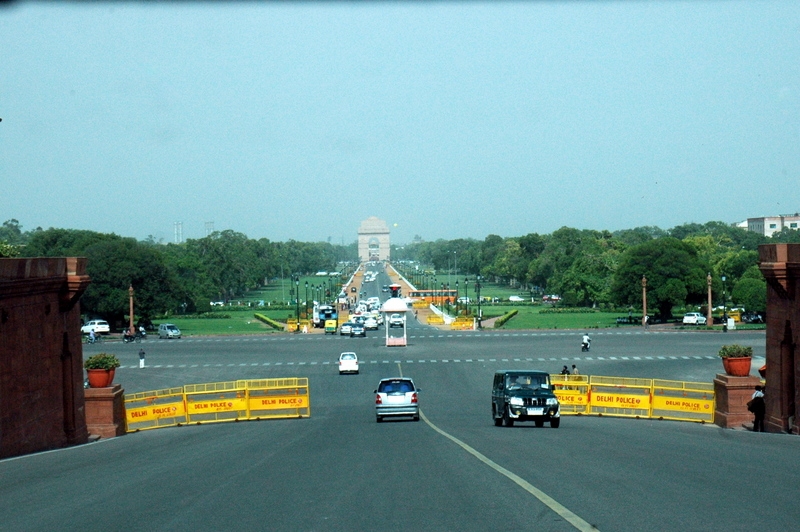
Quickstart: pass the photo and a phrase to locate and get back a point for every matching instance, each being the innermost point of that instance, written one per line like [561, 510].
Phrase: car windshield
[532, 382]
[397, 386]
[348, 356]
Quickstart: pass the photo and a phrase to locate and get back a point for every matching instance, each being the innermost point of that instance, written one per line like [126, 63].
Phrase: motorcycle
[138, 337]
[585, 346]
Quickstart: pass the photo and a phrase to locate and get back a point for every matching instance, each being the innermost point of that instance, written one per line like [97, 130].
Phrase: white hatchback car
[694, 318]
[348, 363]
[397, 396]
[98, 326]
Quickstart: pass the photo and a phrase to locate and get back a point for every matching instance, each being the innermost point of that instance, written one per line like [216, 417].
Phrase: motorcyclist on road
[586, 341]
[91, 336]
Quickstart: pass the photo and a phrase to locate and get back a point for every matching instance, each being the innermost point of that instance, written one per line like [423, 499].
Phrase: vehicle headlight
[516, 401]
[552, 401]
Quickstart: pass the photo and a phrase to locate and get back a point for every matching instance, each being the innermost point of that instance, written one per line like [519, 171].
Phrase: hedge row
[504, 318]
[272, 323]
[569, 311]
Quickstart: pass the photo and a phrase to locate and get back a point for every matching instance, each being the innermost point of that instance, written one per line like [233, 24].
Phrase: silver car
[397, 396]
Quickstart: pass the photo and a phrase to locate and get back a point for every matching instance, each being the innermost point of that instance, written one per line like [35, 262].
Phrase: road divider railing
[631, 397]
[218, 402]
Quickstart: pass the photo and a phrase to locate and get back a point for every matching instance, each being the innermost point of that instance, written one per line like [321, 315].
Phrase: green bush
[272, 323]
[504, 318]
[735, 351]
[101, 361]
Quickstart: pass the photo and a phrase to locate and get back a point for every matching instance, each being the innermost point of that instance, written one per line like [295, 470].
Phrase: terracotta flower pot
[100, 378]
[737, 367]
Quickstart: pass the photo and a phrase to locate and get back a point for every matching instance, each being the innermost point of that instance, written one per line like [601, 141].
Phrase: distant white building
[773, 224]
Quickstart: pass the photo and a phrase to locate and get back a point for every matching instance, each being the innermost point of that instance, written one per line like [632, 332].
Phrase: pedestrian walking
[565, 370]
[141, 358]
[575, 370]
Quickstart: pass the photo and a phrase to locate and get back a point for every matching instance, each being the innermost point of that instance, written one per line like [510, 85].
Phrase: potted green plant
[100, 369]
[736, 359]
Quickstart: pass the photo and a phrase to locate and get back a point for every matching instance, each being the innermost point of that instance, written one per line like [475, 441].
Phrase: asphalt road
[454, 470]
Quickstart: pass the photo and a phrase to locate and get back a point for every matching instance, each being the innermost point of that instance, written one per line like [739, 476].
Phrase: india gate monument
[373, 240]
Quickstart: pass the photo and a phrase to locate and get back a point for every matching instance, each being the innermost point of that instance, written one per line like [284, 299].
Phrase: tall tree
[674, 274]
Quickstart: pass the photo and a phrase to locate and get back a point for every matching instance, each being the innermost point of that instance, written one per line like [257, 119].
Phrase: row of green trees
[585, 267]
[601, 268]
[182, 277]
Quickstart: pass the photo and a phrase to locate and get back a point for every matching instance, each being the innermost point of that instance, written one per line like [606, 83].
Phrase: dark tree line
[585, 267]
[182, 277]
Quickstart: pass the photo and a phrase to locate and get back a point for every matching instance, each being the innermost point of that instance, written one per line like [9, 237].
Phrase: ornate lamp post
[306, 299]
[724, 308]
[644, 301]
[709, 318]
[478, 295]
[130, 310]
[457, 297]
[466, 294]
[297, 302]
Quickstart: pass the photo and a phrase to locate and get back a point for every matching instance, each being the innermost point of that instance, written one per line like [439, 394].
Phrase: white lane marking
[548, 501]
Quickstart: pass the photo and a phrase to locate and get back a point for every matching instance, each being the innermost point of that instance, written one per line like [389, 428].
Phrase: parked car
[358, 330]
[515, 299]
[524, 395]
[168, 330]
[397, 396]
[694, 318]
[397, 320]
[346, 328]
[98, 326]
[348, 363]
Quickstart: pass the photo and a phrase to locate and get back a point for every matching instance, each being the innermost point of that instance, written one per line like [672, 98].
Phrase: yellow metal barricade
[278, 398]
[572, 392]
[219, 401]
[434, 319]
[216, 401]
[683, 401]
[463, 324]
[156, 409]
[620, 396]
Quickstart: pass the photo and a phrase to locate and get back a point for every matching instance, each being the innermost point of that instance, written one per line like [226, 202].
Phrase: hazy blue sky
[450, 119]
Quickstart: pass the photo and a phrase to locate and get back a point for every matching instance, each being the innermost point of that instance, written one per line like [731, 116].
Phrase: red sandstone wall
[780, 264]
[41, 363]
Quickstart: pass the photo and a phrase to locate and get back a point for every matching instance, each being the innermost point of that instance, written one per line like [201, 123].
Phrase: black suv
[524, 395]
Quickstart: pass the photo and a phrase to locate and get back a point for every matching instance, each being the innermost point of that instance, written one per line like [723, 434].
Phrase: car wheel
[555, 422]
[379, 419]
[416, 418]
[507, 421]
[539, 422]
[497, 420]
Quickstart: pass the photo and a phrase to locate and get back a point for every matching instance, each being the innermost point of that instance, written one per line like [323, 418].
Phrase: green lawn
[530, 317]
[238, 323]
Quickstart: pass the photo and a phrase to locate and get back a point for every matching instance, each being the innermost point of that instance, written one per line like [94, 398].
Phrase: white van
[168, 330]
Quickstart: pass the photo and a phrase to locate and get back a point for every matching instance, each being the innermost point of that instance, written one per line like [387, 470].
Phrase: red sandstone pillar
[731, 395]
[105, 411]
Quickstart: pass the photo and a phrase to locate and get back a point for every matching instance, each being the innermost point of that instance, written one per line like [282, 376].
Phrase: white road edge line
[548, 501]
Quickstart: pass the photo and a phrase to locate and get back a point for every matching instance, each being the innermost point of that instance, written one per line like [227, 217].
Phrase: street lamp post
[130, 299]
[297, 302]
[709, 318]
[306, 299]
[466, 294]
[724, 308]
[644, 301]
[478, 295]
[458, 303]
